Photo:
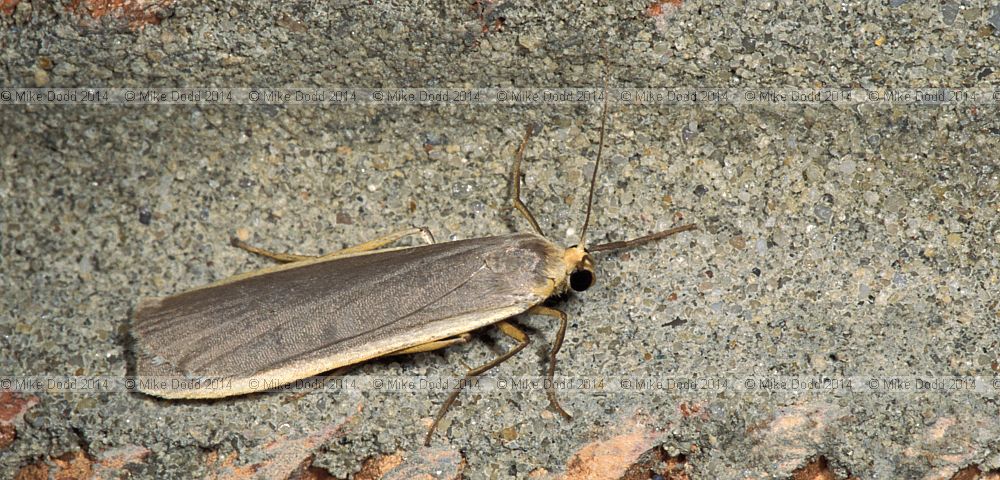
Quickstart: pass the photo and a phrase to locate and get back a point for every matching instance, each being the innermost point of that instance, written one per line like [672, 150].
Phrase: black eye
[581, 280]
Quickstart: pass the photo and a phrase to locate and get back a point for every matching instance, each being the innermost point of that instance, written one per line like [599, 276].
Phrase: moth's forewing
[292, 323]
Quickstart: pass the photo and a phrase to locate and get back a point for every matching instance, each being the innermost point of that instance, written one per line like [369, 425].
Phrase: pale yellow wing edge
[232, 386]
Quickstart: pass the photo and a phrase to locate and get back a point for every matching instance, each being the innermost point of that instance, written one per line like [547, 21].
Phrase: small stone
[995, 19]
[145, 216]
[530, 42]
[949, 11]
[823, 212]
[818, 361]
[509, 434]
[813, 173]
[847, 167]
[64, 69]
[538, 472]
[871, 198]
[7, 435]
[954, 239]
[243, 234]
[22, 12]
[155, 56]
[41, 77]
[86, 404]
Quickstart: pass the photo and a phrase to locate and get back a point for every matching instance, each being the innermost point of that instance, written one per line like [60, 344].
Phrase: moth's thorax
[573, 259]
[576, 258]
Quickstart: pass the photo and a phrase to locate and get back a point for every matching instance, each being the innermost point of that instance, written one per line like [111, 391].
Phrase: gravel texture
[833, 240]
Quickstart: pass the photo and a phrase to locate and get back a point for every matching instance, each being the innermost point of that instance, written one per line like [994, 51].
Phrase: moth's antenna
[597, 163]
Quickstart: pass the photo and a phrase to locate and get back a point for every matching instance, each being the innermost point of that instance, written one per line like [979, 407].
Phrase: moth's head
[579, 268]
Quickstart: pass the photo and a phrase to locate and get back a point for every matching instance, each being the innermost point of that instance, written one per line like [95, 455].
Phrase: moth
[262, 329]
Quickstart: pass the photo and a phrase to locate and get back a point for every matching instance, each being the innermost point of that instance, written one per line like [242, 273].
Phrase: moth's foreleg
[515, 183]
[508, 329]
[550, 389]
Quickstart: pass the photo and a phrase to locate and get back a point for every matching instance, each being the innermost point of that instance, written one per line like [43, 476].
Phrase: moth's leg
[380, 242]
[515, 184]
[435, 345]
[364, 247]
[550, 389]
[424, 347]
[338, 372]
[509, 330]
[280, 257]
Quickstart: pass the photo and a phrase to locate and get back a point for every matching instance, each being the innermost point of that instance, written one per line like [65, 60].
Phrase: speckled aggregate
[832, 240]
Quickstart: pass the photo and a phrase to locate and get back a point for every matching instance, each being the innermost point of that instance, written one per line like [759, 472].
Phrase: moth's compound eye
[581, 280]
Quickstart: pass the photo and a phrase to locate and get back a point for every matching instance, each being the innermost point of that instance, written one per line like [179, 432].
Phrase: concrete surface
[834, 241]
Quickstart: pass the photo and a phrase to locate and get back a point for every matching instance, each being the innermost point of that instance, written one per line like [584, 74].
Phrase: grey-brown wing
[293, 316]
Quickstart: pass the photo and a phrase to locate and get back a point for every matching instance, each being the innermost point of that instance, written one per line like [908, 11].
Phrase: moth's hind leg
[313, 386]
[508, 329]
[423, 347]
[380, 242]
[364, 247]
[277, 256]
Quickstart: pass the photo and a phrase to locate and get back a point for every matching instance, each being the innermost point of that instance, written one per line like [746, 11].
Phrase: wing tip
[147, 303]
[157, 377]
